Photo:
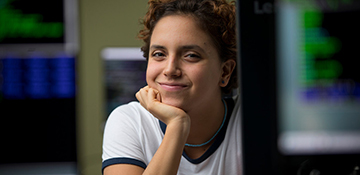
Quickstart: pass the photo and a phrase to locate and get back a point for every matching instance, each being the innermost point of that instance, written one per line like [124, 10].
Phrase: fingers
[151, 100]
[139, 98]
[154, 95]
[140, 95]
[147, 96]
[158, 97]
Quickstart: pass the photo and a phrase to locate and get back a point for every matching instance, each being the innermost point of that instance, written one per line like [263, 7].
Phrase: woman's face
[183, 63]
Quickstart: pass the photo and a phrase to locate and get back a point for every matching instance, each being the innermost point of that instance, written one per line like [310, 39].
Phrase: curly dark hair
[216, 17]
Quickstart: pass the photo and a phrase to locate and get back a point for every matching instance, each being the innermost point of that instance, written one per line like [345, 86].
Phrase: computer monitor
[318, 77]
[300, 86]
[38, 26]
[125, 74]
[38, 50]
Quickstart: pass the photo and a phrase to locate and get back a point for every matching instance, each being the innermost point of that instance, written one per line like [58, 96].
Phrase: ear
[227, 68]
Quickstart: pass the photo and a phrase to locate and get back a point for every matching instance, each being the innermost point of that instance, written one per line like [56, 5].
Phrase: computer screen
[125, 74]
[38, 26]
[35, 21]
[38, 50]
[318, 76]
[299, 86]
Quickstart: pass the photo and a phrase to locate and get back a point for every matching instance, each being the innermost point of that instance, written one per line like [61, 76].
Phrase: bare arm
[167, 158]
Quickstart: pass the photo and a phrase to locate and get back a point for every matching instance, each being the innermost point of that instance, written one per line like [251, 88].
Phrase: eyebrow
[186, 47]
[157, 47]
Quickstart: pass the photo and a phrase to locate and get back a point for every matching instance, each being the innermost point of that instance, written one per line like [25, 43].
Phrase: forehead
[180, 29]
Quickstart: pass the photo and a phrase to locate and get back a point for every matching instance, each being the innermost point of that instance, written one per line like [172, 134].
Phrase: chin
[174, 102]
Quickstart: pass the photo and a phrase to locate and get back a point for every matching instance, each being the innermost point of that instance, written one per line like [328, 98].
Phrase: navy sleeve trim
[122, 160]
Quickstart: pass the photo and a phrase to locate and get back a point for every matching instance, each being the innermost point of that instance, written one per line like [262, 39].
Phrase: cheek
[201, 79]
[151, 73]
[205, 76]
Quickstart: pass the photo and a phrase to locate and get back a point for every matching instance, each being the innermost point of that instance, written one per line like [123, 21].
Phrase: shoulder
[128, 128]
[129, 118]
[131, 108]
[132, 111]
[236, 106]
[235, 119]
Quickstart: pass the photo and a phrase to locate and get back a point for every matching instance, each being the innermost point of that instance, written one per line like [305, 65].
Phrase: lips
[173, 86]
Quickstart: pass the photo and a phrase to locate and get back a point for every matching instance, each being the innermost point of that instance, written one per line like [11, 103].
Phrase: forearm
[167, 158]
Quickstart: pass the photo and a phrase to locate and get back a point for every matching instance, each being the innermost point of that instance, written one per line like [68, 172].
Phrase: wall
[103, 23]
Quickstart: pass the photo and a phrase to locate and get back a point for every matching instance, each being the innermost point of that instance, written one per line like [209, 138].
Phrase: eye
[192, 57]
[158, 55]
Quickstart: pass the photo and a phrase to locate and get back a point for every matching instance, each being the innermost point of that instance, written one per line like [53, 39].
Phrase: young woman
[181, 124]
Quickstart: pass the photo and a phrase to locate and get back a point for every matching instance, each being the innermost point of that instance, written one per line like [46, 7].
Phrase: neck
[205, 121]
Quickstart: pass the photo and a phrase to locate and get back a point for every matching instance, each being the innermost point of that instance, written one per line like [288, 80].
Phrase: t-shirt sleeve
[122, 144]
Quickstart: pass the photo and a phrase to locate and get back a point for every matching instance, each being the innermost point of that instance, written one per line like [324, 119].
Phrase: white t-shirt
[132, 135]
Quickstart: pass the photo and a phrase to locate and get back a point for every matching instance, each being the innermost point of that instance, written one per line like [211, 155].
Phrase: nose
[172, 68]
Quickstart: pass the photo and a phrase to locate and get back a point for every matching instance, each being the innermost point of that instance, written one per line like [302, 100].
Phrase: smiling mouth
[173, 86]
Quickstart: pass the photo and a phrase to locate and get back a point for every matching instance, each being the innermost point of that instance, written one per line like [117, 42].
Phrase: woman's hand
[150, 99]
[167, 158]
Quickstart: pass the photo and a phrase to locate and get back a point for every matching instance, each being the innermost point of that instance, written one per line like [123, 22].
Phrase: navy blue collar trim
[218, 140]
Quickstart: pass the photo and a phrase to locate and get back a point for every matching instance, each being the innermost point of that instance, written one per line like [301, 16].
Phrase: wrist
[181, 126]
